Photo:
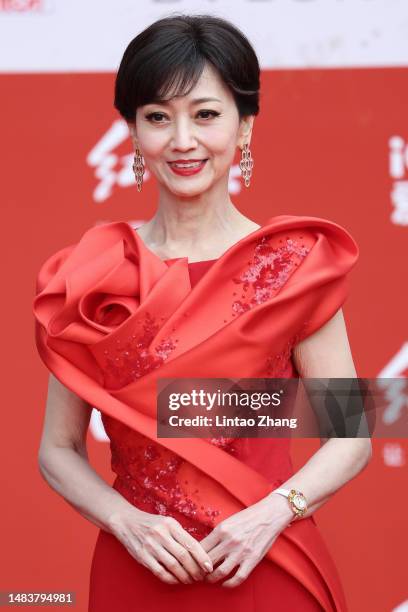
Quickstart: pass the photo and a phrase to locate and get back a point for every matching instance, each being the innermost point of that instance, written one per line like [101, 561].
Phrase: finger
[223, 570]
[158, 570]
[192, 546]
[172, 564]
[218, 552]
[210, 540]
[240, 575]
[184, 557]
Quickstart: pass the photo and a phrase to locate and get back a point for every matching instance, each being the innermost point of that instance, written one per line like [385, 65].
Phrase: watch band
[296, 499]
[284, 492]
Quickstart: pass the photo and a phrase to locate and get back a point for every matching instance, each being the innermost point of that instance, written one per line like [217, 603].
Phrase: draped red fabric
[112, 319]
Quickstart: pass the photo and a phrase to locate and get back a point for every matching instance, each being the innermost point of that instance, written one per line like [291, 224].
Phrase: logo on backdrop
[24, 6]
[397, 403]
[113, 170]
[398, 167]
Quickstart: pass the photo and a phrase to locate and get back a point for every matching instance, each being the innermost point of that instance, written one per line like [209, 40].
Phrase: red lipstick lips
[188, 167]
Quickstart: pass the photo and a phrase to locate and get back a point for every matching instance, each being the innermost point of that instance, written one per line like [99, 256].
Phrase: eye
[212, 113]
[151, 115]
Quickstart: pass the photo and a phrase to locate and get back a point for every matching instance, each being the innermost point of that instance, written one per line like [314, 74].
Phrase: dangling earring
[138, 168]
[246, 164]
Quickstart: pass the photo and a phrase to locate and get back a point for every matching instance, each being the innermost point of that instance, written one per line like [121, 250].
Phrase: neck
[201, 227]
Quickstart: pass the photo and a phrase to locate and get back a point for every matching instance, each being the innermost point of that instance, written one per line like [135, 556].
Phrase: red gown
[119, 582]
[111, 317]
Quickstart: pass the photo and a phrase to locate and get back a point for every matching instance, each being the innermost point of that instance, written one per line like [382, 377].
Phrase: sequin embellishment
[268, 272]
[229, 445]
[132, 359]
[149, 477]
[277, 363]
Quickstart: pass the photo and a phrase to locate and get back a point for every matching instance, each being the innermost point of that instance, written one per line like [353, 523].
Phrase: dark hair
[170, 54]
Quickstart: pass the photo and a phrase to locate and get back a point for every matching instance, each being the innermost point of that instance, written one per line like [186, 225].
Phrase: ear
[245, 130]
[132, 132]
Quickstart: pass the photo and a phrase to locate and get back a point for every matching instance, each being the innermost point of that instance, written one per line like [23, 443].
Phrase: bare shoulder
[326, 353]
[66, 420]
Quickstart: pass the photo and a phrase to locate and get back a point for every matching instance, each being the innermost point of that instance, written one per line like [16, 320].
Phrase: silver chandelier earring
[138, 168]
[246, 164]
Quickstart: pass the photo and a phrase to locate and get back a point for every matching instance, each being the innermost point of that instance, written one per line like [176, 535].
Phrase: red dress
[112, 318]
[119, 582]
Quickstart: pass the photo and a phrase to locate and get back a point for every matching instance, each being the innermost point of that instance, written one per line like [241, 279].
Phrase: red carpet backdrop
[331, 140]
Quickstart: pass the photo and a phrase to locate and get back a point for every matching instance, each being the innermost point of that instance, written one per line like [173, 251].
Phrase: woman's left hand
[244, 538]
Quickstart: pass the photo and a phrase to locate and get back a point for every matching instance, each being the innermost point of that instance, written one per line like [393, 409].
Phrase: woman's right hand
[162, 545]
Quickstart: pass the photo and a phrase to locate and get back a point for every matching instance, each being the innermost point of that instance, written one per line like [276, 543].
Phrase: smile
[187, 168]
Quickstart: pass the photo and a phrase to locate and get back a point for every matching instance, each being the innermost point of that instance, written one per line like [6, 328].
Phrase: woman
[198, 291]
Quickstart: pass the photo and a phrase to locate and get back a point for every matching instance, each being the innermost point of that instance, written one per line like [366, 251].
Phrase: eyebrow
[195, 101]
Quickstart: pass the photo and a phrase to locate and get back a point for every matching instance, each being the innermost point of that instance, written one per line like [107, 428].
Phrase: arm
[245, 537]
[63, 462]
[63, 453]
[327, 354]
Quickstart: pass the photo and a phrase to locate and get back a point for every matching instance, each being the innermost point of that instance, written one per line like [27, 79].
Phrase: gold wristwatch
[296, 499]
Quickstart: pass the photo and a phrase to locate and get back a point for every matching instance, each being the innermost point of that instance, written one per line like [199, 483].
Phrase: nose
[183, 137]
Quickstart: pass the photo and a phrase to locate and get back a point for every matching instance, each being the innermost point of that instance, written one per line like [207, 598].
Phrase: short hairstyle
[169, 57]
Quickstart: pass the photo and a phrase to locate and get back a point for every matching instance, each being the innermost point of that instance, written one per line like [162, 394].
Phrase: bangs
[172, 74]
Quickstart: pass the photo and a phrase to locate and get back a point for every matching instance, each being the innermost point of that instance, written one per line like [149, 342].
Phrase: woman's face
[202, 126]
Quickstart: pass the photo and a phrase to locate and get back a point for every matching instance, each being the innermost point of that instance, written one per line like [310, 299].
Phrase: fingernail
[208, 566]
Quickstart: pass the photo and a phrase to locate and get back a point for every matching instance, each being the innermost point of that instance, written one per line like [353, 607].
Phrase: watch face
[299, 502]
